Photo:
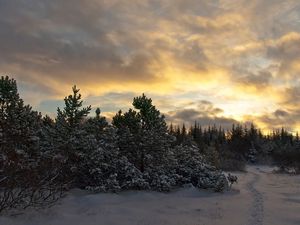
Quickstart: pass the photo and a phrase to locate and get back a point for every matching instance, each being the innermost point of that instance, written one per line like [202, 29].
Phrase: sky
[211, 61]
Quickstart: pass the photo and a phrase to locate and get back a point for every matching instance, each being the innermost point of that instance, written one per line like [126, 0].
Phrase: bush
[192, 168]
[287, 157]
[209, 178]
[230, 161]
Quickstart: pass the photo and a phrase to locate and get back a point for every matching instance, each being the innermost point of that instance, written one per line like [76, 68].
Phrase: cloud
[102, 42]
[262, 78]
[291, 96]
[232, 53]
[283, 117]
[280, 113]
[286, 52]
[43, 39]
[205, 114]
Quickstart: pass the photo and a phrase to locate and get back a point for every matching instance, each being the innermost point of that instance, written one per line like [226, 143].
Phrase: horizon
[218, 62]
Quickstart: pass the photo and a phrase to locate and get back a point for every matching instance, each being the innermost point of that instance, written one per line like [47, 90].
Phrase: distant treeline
[207, 135]
[231, 149]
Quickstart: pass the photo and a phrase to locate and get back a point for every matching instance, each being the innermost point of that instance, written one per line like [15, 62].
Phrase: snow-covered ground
[260, 197]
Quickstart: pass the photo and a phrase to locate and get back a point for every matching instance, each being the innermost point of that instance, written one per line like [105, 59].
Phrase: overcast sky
[217, 61]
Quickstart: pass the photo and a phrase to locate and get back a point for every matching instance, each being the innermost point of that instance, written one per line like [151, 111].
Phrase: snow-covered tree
[144, 137]
[19, 123]
[26, 177]
[193, 168]
[96, 125]
[105, 170]
[68, 138]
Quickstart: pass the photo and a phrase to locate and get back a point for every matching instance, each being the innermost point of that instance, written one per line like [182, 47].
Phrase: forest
[41, 158]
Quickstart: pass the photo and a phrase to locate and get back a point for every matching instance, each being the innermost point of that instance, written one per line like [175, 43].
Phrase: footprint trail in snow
[257, 207]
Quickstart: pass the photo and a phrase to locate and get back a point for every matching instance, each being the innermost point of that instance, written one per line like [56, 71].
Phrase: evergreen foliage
[27, 177]
[144, 137]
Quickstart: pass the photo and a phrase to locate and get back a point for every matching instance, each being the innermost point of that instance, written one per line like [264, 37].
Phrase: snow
[260, 198]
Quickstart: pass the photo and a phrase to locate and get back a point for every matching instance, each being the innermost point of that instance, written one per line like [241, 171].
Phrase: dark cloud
[98, 40]
[193, 55]
[261, 79]
[68, 41]
[291, 96]
[270, 122]
[279, 118]
[207, 108]
[190, 114]
[205, 114]
[286, 52]
[280, 113]
[274, 18]
[286, 49]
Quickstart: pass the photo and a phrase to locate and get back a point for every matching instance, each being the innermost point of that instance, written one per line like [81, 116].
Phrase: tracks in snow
[257, 207]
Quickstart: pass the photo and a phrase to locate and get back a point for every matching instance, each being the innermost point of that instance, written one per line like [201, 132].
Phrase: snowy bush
[192, 168]
[129, 177]
[162, 183]
[103, 169]
[210, 179]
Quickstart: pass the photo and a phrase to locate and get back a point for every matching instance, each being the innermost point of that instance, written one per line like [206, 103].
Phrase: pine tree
[69, 123]
[27, 177]
[171, 129]
[73, 113]
[67, 140]
[144, 137]
[19, 123]
[96, 125]
[183, 133]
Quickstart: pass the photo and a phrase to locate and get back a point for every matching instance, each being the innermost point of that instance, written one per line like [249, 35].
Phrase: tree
[67, 139]
[144, 137]
[69, 123]
[103, 169]
[26, 177]
[73, 114]
[19, 123]
[96, 125]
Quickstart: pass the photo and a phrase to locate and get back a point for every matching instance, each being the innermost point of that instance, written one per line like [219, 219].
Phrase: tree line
[231, 149]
